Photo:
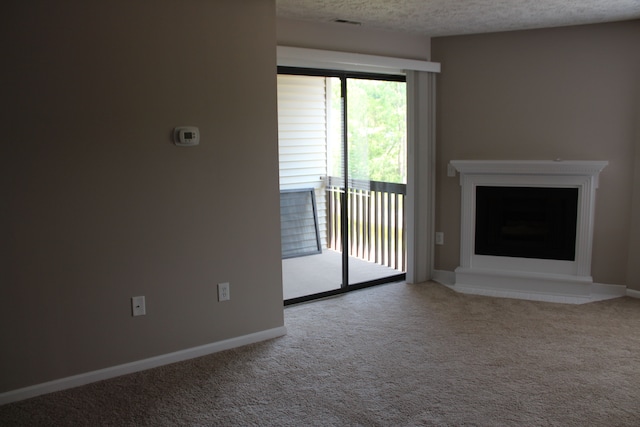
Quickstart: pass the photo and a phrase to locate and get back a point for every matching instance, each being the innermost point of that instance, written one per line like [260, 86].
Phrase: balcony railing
[376, 220]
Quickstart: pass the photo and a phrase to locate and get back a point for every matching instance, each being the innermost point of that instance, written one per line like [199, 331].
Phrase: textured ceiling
[453, 17]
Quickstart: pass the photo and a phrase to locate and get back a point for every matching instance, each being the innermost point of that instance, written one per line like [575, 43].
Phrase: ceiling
[454, 17]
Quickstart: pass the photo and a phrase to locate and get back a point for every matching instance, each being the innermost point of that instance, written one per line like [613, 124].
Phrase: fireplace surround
[561, 278]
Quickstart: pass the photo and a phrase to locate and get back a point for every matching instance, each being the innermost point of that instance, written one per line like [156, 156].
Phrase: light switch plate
[138, 307]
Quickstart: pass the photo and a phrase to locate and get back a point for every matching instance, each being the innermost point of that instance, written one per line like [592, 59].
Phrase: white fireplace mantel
[525, 277]
[586, 168]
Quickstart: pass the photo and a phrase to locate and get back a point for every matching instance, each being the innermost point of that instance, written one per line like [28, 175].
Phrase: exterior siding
[302, 138]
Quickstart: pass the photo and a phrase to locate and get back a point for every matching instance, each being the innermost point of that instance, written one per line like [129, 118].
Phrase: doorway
[342, 140]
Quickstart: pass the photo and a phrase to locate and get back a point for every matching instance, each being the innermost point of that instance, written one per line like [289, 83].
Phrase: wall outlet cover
[224, 293]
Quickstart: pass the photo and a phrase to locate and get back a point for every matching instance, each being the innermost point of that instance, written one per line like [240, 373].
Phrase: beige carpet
[393, 355]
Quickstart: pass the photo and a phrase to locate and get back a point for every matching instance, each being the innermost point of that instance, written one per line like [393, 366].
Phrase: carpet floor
[392, 355]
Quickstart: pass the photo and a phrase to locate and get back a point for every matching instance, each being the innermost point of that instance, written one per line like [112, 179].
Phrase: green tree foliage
[377, 135]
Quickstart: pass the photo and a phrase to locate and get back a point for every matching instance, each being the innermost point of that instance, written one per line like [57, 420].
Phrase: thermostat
[186, 136]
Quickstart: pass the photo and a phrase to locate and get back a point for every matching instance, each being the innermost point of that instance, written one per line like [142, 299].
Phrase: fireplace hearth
[527, 228]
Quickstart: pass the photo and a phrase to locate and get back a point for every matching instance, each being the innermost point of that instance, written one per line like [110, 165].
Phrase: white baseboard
[633, 293]
[139, 365]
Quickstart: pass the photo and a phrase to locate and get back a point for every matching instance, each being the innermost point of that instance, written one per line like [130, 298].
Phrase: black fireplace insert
[526, 222]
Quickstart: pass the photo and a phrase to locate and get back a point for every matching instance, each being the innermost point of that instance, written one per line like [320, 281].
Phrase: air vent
[346, 21]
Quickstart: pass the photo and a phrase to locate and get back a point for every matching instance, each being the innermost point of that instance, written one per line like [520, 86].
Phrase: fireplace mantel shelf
[530, 167]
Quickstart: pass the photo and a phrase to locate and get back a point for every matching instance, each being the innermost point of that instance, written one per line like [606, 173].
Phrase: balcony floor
[322, 272]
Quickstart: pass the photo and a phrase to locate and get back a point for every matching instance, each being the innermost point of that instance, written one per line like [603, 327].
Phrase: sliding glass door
[358, 178]
[310, 264]
[376, 141]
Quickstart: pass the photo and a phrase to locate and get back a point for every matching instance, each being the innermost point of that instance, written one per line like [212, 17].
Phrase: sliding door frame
[344, 76]
[421, 143]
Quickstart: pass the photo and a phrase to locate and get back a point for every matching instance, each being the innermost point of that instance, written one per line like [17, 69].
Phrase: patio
[322, 272]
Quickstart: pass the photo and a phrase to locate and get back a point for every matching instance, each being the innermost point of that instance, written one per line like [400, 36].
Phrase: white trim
[530, 167]
[346, 61]
[633, 293]
[139, 365]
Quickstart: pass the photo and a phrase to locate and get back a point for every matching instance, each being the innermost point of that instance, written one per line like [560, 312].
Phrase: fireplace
[527, 228]
[527, 222]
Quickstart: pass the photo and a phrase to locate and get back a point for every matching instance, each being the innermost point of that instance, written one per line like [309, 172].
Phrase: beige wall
[99, 205]
[569, 93]
[633, 273]
[352, 38]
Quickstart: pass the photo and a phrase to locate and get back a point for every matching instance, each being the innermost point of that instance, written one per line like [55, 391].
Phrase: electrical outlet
[224, 294]
[439, 238]
[138, 307]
